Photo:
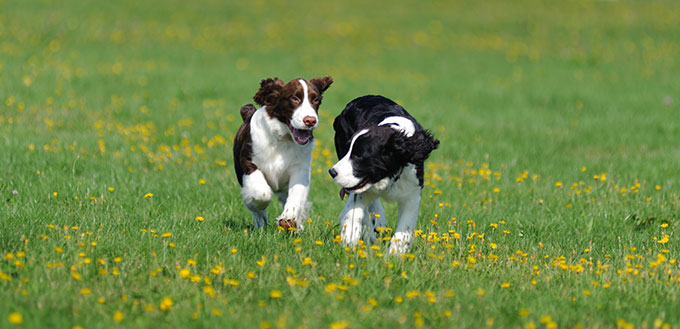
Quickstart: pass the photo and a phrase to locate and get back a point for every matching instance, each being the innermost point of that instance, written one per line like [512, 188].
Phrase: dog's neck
[270, 128]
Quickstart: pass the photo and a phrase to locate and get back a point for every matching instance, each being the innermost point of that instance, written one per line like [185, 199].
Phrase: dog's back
[362, 112]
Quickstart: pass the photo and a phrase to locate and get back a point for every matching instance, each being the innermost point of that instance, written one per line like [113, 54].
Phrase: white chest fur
[274, 151]
[390, 190]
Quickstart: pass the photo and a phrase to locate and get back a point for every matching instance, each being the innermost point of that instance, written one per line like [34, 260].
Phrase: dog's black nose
[332, 172]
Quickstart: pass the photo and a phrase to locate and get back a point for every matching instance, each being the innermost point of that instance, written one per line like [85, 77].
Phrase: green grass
[558, 124]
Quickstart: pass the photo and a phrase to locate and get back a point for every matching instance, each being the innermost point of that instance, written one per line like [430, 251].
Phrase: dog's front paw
[400, 242]
[291, 222]
[351, 234]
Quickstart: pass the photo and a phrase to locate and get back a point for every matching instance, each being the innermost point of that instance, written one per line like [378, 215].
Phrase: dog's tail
[247, 111]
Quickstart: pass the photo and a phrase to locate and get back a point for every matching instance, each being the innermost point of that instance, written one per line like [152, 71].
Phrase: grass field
[552, 201]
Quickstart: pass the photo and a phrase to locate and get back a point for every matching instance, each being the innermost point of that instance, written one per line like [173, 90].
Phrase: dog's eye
[316, 100]
[294, 99]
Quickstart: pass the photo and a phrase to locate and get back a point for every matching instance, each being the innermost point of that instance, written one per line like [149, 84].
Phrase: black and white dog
[382, 151]
[273, 148]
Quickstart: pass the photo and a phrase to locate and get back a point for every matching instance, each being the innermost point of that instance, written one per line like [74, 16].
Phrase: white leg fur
[408, 216]
[353, 218]
[295, 206]
[256, 195]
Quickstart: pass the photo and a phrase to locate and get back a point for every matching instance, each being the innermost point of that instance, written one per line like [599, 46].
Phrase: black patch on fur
[382, 151]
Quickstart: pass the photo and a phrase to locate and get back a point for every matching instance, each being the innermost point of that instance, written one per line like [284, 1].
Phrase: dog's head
[380, 152]
[295, 104]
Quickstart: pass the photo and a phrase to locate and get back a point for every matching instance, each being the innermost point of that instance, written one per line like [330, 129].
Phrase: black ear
[414, 149]
[269, 91]
[322, 83]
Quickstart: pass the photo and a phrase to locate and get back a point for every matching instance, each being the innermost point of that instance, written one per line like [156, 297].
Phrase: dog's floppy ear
[322, 83]
[414, 149]
[269, 91]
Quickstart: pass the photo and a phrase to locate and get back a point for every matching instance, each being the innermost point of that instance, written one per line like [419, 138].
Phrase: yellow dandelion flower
[166, 304]
[85, 291]
[148, 195]
[275, 294]
[15, 318]
[210, 291]
[339, 325]
[412, 294]
[199, 219]
[166, 235]
[505, 285]
[118, 316]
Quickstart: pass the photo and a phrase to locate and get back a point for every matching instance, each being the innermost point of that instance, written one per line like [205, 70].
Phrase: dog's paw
[260, 219]
[286, 223]
[291, 224]
[260, 224]
[399, 243]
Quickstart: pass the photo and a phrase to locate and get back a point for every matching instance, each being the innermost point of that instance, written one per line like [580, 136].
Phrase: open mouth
[346, 190]
[301, 136]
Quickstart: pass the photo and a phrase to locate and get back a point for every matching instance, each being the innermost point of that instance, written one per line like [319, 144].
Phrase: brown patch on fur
[243, 150]
[268, 94]
[247, 111]
[321, 84]
[282, 99]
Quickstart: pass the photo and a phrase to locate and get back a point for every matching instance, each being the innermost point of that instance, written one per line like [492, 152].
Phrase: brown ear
[268, 94]
[322, 83]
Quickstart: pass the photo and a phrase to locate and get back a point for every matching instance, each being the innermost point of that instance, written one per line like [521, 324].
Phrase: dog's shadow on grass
[238, 224]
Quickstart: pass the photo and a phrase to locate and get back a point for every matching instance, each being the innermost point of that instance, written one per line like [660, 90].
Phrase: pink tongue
[301, 136]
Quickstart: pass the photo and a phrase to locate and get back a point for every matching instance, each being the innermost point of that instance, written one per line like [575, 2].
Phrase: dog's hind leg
[256, 195]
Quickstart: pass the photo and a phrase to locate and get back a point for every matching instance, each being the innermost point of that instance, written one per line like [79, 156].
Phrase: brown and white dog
[273, 148]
